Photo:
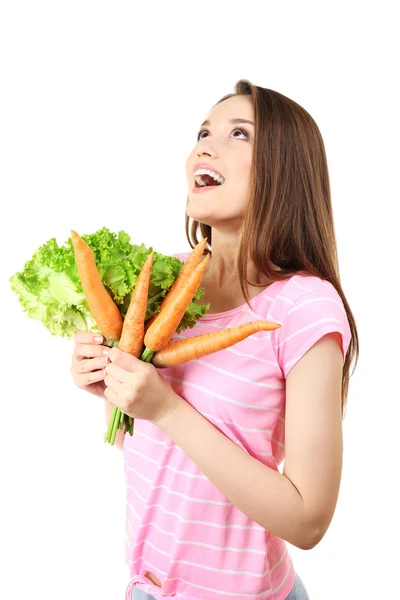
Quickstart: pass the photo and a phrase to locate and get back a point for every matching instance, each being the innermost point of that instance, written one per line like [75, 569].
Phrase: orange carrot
[151, 321]
[161, 331]
[191, 263]
[132, 341]
[184, 350]
[133, 328]
[103, 308]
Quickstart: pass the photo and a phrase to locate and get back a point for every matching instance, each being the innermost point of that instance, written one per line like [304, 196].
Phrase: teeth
[200, 182]
[214, 175]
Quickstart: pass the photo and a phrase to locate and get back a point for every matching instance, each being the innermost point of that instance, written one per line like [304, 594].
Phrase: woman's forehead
[237, 107]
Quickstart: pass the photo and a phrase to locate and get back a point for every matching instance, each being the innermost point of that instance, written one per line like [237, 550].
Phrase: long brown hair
[289, 206]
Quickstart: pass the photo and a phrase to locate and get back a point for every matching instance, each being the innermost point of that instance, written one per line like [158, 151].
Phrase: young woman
[208, 511]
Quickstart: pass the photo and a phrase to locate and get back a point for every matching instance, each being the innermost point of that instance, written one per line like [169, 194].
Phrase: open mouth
[206, 181]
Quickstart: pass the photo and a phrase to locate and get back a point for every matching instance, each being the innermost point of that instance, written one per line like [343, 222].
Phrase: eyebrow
[232, 121]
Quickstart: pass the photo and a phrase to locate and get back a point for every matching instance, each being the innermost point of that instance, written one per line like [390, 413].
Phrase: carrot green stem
[128, 422]
[111, 424]
[115, 427]
[119, 420]
[147, 355]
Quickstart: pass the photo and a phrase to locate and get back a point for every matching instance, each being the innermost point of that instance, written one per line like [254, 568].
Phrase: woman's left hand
[137, 388]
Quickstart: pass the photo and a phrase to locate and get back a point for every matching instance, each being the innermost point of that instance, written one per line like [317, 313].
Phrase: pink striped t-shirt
[179, 526]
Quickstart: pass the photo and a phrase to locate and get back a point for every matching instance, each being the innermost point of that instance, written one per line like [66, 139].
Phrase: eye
[242, 131]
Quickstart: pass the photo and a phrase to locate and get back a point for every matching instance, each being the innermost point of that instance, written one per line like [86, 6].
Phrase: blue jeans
[298, 592]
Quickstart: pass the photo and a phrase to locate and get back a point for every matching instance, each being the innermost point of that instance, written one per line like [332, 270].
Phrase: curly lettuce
[49, 289]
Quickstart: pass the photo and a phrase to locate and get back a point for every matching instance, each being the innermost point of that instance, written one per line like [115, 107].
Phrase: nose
[207, 151]
[201, 152]
[205, 146]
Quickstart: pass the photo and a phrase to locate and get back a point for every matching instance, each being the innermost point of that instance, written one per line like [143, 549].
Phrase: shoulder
[183, 256]
[307, 307]
[298, 286]
[180, 255]
[301, 291]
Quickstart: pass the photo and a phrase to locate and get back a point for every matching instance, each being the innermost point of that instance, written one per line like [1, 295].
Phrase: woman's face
[228, 148]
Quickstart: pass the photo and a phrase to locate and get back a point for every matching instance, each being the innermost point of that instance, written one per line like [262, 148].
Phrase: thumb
[124, 360]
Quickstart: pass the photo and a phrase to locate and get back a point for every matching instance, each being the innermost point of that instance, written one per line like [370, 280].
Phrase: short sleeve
[313, 315]
[181, 255]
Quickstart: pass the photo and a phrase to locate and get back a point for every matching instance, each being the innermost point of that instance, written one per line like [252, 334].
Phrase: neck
[222, 268]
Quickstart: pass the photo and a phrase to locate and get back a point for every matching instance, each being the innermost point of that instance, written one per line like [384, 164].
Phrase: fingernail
[97, 339]
[105, 352]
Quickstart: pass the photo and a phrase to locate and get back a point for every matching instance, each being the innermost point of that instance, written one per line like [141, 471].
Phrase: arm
[297, 505]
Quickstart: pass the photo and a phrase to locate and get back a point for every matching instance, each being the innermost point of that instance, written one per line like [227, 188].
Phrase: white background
[100, 105]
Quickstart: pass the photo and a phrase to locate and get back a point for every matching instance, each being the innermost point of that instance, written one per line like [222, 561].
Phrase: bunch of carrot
[150, 341]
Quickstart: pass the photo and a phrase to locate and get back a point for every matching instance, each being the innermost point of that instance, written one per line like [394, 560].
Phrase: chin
[209, 214]
[199, 213]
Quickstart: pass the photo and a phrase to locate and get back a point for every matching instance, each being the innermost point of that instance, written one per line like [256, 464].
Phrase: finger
[87, 337]
[117, 387]
[87, 365]
[111, 396]
[90, 351]
[117, 373]
[82, 381]
[126, 361]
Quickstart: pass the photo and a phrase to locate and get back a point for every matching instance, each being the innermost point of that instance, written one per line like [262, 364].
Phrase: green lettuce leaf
[49, 289]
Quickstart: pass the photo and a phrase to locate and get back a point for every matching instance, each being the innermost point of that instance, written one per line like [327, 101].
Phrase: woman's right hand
[89, 362]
